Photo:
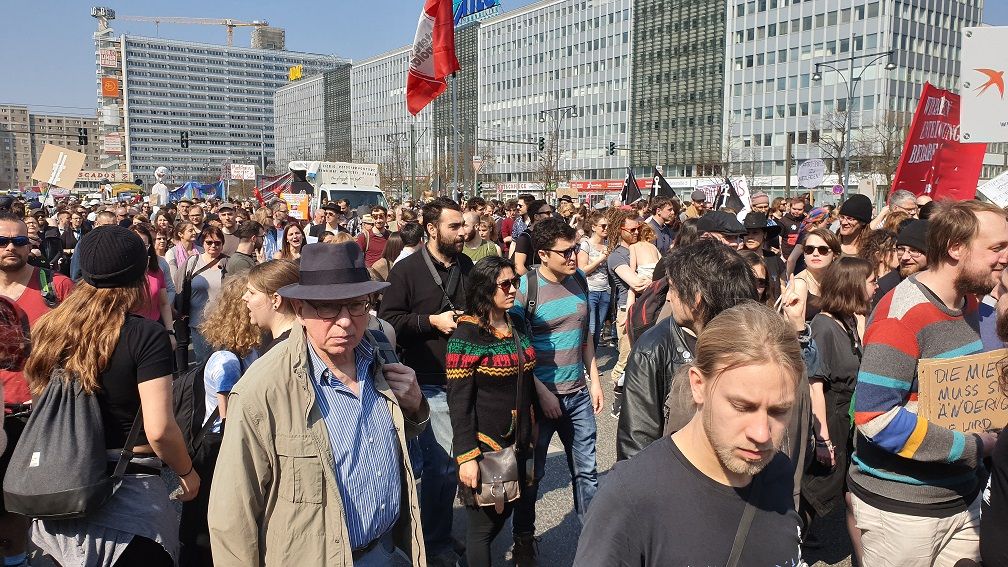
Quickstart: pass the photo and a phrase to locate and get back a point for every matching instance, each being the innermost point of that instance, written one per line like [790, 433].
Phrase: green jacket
[275, 500]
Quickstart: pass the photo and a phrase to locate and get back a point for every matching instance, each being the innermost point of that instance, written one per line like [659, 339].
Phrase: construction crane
[228, 22]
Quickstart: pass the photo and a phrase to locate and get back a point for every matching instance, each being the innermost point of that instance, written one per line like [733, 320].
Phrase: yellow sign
[962, 393]
[295, 73]
[297, 205]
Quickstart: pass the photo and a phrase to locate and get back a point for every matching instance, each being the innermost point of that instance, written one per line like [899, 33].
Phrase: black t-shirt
[523, 244]
[994, 508]
[790, 233]
[143, 353]
[658, 510]
[886, 284]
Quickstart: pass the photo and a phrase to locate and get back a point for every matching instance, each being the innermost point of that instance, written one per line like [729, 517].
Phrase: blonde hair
[226, 324]
[343, 237]
[80, 335]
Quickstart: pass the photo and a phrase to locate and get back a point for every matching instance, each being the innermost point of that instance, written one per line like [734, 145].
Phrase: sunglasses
[213, 243]
[507, 285]
[822, 250]
[568, 253]
[631, 230]
[603, 226]
[16, 241]
[761, 282]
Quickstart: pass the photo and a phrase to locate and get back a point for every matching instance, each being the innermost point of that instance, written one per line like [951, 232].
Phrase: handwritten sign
[297, 205]
[58, 166]
[962, 393]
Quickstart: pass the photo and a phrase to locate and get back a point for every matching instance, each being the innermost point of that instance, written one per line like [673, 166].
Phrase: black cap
[755, 220]
[858, 207]
[721, 222]
[112, 256]
[914, 235]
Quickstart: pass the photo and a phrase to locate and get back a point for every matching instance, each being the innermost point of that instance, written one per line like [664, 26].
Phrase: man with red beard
[915, 485]
[911, 248]
[426, 296]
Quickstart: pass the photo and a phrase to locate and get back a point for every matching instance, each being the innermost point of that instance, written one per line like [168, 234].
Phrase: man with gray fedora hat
[315, 445]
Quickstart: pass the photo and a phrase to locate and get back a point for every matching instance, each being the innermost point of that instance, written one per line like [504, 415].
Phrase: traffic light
[82, 136]
[184, 140]
[542, 143]
[612, 148]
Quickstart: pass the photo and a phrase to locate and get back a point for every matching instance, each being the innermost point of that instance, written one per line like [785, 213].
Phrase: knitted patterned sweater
[482, 370]
[903, 463]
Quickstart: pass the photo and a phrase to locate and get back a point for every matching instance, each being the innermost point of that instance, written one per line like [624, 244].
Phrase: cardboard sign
[58, 166]
[297, 205]
[962, 393]
[243, 171]
[811, 173]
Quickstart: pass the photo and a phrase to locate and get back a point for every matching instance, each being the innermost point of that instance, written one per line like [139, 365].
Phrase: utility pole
[412, 142]
[787, 165]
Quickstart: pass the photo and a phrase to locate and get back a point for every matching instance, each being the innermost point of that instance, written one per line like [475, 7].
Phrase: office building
[220, 97]
[557, 74]
[773, 99]
[380, 125]
[23, 135]
[678, 86]
[466, 80]
[311, 118]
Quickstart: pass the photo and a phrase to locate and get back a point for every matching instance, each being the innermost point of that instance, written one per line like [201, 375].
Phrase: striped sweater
[482, 371]
[901, 462]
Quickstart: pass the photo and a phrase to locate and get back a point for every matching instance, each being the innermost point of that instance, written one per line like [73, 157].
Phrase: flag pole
[455, 136]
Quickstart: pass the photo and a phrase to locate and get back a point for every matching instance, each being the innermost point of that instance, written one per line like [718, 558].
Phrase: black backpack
[644, 311]
[188, 395]
[59, 468]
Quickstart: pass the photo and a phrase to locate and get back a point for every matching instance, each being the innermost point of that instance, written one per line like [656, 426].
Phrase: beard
[12, 264]
[449, 246]
[907, 271]
[975, 281]
[725, 451]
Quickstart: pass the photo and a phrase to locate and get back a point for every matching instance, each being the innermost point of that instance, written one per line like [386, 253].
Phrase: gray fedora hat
[330, 272]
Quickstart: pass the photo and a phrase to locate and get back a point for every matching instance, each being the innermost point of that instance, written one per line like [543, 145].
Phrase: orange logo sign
[994, 79]
[110, 87]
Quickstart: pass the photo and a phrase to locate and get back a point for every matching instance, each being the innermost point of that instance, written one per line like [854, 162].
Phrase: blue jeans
[576, 428]
[436, 473]
[598, 308]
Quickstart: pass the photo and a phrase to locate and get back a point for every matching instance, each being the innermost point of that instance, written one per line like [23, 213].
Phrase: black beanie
[857, 206]
[914, 235]
[112, 256]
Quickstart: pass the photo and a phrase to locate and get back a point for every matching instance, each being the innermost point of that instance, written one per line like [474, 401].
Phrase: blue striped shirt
[364, 445]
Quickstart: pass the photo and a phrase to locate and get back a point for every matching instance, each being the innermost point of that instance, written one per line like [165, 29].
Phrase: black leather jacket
[653, 361]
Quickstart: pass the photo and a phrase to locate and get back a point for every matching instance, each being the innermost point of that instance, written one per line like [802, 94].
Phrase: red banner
[606, 185]
[934, 162]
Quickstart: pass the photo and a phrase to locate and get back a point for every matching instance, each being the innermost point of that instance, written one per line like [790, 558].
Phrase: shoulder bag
[745, 523]
[500, 481]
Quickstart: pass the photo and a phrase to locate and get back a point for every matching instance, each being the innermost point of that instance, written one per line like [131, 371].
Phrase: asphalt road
[558, 528]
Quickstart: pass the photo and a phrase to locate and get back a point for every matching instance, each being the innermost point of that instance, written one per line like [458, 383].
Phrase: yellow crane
[228, 22]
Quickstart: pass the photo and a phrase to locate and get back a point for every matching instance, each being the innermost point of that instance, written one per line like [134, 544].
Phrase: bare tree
[548, 169]
[834, 138]
[880, 144]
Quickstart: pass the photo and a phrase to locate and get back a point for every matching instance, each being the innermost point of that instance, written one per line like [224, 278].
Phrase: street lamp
[851, 84]
[558, 114]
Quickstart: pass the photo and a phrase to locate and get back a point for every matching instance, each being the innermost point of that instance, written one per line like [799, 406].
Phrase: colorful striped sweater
[482, 373]
[901, 462]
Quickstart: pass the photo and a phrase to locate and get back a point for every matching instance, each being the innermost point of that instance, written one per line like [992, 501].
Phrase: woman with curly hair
[232, 335]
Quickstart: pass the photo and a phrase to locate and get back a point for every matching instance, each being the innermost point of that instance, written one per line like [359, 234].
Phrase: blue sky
[49, 52]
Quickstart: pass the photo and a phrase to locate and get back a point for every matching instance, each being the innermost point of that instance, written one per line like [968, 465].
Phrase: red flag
[934, 161]
[258, 196]
[433, 56]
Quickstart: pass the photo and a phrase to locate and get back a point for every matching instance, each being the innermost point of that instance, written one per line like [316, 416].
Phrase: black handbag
[500, 481]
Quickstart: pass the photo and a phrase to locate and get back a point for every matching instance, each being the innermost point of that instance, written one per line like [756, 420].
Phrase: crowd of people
[325, 391]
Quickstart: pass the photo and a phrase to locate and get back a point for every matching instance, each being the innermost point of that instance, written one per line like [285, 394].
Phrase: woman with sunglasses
[847, 289]
[206, 272]
[820, 248]
[487, 411]
[592, 261]
[759, 271]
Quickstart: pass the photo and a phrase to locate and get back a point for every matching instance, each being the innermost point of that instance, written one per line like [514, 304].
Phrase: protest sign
[297, 205]
[58, 166]
[962, 393]
[984, 107]
[934, 162]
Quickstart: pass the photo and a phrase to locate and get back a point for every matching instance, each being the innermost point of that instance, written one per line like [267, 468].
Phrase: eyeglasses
[822, 250]
[568, 253]
[761, 282]
[333, 310]
[507, 285]
[330, 214]
[213, 243]
[16, 241]
[913, 252]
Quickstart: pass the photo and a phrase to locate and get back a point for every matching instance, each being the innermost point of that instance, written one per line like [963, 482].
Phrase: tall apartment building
[678, 86]
[771, 95]
[554, 55]
[23, 134]
[311, 118]
[380, 124]
[221, 96]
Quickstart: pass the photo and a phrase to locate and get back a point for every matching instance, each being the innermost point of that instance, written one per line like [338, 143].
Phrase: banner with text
[962, 393]
[934, 162]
